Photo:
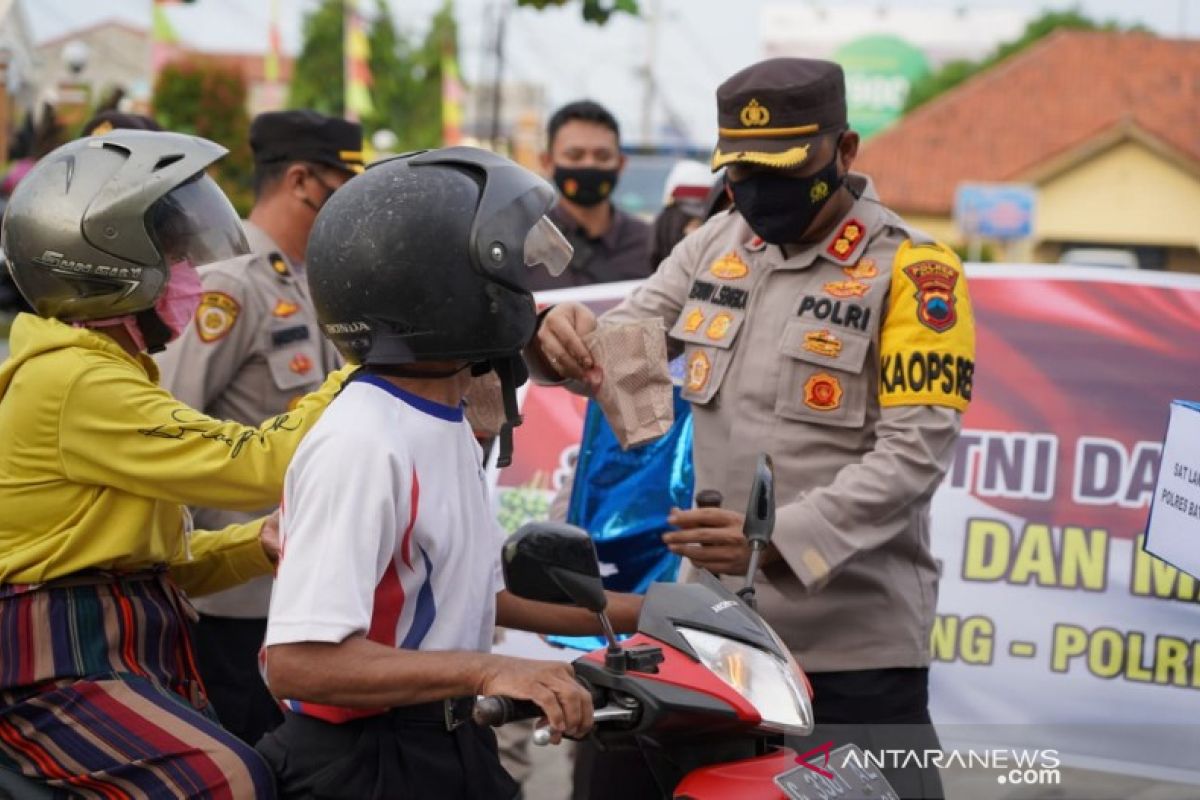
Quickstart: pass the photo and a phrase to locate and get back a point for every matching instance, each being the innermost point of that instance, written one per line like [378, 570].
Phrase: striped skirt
[100, 697]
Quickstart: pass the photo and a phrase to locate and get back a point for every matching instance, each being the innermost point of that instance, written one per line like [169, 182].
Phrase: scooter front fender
[747, 779]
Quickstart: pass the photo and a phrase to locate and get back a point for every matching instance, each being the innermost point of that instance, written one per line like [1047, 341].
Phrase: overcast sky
[699, 42]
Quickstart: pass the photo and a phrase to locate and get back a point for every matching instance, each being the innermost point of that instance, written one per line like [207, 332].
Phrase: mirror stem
[747, 591]
[613, 645]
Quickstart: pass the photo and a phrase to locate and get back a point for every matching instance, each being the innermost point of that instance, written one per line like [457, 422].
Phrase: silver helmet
[93, 230]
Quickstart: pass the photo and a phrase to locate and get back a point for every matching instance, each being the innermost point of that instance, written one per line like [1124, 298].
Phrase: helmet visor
[545, 246]
[195, 222]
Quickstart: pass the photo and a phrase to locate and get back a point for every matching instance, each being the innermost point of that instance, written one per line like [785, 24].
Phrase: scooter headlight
[768, 683]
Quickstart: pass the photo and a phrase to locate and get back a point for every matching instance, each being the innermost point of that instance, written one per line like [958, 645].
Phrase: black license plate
[849, 782]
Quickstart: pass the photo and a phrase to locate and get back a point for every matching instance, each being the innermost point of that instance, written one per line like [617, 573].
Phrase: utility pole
[648, 83]
[498, 78]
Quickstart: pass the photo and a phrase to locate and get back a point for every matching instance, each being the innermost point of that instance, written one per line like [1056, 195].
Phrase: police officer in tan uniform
[252, 349]
[818, 327]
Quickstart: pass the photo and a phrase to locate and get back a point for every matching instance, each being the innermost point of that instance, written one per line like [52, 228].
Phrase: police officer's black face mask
[585, 186]
[780, 208]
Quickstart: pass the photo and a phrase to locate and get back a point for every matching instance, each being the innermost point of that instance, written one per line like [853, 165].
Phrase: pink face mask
[181, 298]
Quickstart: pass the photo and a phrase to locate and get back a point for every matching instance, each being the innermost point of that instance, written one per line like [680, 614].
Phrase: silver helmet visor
[195, 222]
[545, 246]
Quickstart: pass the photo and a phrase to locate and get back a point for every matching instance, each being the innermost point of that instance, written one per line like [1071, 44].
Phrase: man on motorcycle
[389, 584]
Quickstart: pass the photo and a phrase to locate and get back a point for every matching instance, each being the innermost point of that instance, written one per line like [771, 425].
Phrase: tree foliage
[406, 76]
[208, 99]
[318, 75]
[952, 73]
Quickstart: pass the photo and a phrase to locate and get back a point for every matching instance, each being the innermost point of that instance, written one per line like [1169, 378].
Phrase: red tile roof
[1055, 96]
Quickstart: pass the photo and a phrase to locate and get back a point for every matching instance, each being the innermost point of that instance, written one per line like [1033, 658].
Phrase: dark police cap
[107, 121]
[279, 136]
[771, 112]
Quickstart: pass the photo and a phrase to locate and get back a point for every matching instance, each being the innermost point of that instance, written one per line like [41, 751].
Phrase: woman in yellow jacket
[99, 694]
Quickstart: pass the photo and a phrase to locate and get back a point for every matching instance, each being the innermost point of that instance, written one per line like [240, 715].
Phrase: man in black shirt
[583, 158]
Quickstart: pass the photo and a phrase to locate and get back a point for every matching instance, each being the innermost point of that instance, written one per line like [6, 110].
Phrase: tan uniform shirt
[784, 356]
[253, 348]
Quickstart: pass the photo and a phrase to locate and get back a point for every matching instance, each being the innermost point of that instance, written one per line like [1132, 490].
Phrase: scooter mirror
[760, 512]
[554, 563]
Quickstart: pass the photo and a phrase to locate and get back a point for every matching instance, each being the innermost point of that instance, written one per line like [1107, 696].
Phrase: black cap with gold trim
[277, 136]
[771, 112]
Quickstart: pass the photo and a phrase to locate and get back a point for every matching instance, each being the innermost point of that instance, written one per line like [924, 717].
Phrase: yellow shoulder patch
[927, 345]
[215, 316]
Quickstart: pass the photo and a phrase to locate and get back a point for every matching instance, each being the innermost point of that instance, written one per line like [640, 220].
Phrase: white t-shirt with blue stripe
[386, 531]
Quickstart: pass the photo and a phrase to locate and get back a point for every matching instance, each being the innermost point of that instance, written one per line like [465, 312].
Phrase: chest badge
[698, 370]
[719, 327]
[850, 288]
[823, 343]
[300, 364]
[847, 240]
[823, 392]
[284, 309]
[864, 270]
[693, 321]
[730, 267]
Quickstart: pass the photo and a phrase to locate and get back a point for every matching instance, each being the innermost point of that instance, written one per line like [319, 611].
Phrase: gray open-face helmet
[93, 230]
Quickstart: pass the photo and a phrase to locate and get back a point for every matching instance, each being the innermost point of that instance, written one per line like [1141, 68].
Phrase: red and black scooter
[705, 689]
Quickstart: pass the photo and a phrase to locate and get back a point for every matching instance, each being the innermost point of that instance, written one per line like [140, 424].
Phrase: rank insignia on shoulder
[847, 240]
[698, 369]
[284, 309]
[300, 364]
[823, 392]
[693, 321]
[850, 288]
[935, 284]
[279, 264]
[730, 267]
[215, 316]
[823, 343]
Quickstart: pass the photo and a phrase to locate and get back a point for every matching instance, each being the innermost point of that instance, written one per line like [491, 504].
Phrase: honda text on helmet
[109, 230]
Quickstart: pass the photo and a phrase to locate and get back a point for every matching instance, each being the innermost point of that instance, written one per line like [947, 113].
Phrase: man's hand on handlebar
[566, 704]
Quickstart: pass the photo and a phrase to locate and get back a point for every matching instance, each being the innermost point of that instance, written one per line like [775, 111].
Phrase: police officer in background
[819, 327]
[252, 350]
[583, 157]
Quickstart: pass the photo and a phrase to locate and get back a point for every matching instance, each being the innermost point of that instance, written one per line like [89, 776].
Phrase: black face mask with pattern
[780, 208]
[585, 186]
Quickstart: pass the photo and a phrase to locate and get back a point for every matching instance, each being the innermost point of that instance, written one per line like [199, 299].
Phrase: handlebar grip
[709, 498]
[499, 710]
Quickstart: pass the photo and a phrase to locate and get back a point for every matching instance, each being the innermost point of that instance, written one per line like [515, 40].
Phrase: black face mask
[585, 186]
[779, 208]
[329, 190]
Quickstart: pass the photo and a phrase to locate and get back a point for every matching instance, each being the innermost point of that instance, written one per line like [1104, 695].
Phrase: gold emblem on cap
[755, 115]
